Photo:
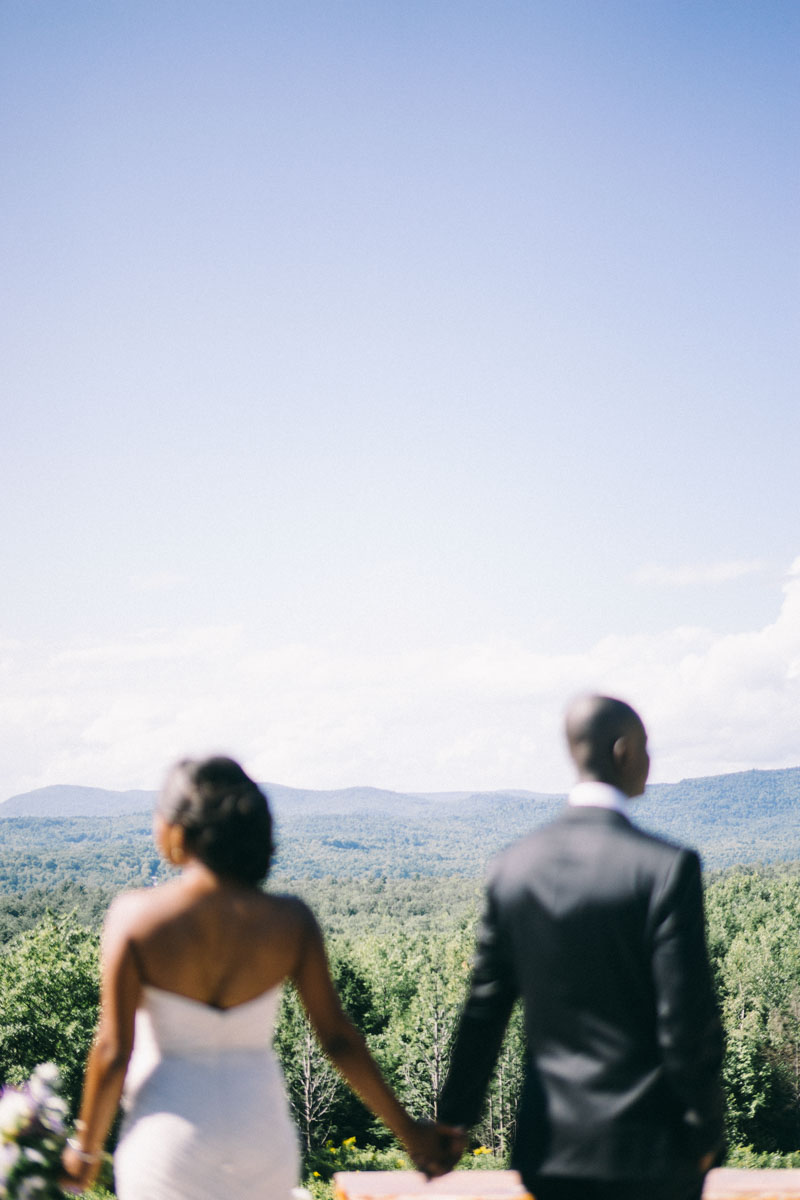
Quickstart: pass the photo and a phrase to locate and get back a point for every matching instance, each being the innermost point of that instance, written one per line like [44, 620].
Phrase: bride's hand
[80, 1169]
[435, 1149]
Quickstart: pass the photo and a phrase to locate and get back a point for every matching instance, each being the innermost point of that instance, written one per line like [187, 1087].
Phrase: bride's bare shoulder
[289, 909]
[285, 903]
[130, 911]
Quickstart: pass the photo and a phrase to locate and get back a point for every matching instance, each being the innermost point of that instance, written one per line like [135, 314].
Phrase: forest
[104, 838]
[400, 952]
[396, 883]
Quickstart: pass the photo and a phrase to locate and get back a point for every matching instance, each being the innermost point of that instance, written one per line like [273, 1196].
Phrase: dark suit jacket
[599, 927]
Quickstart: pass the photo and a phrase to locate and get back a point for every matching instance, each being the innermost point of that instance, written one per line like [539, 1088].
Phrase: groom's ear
[621, 756]
[631, 761]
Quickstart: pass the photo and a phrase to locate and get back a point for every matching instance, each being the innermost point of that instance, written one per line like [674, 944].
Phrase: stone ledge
[402, 1185]
[722, 1184]
[726, 1182]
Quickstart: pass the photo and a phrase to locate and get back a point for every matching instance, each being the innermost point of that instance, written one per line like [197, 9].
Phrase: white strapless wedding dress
[206, 1116]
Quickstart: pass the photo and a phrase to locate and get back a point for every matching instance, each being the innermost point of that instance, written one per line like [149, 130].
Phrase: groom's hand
[454, 1143]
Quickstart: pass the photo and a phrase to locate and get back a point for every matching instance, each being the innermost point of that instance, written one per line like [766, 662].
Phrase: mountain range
[749, 816]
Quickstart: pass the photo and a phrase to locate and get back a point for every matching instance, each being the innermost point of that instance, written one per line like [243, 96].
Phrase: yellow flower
[351, 1141]
[316, 1174]
[481, 1150]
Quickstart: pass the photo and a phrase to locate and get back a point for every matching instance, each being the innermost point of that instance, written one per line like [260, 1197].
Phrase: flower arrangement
[32, 1135]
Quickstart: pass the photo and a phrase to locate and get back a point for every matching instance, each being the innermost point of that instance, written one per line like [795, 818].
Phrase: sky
[378, 376]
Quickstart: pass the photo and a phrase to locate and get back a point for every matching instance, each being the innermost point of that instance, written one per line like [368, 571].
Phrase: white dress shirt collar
[593, 794]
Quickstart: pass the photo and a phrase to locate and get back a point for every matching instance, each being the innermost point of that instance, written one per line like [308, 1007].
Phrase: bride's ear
[170, 840]
[177, 849]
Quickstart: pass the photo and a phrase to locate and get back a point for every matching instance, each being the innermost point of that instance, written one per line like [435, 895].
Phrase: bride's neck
[200, 878]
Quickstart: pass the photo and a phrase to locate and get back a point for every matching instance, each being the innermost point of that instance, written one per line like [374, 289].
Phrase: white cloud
[152, 646]
[483, 715]
[697, 574]
[158, 581]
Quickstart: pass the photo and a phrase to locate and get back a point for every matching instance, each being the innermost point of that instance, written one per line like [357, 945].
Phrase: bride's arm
[429, 1147]
[120, 987]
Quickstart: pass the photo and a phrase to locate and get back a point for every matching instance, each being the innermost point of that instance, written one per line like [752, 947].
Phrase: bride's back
[212, 941]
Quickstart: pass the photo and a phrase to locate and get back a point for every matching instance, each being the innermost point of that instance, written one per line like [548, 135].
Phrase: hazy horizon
[426, 792]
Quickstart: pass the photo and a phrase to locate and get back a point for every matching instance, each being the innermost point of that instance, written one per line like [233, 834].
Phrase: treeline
[732, 819]
[118, 852]
[400, 952]
[99, 852]
[348, 908]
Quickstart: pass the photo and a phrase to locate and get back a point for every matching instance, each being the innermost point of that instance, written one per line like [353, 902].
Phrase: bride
[191, 980]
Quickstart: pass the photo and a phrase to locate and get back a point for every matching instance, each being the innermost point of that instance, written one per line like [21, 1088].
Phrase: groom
[598, 927]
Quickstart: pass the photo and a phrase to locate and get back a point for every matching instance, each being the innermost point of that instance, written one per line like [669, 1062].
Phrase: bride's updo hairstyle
[224, 815]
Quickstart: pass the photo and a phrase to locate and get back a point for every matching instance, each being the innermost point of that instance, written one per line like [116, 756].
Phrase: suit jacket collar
[591, 815]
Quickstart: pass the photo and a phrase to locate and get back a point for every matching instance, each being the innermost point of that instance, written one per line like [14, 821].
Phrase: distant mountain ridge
[745, 817]
[780, 786]
[74, 800]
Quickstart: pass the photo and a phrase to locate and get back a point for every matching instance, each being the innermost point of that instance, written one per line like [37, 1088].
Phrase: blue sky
[377, 376]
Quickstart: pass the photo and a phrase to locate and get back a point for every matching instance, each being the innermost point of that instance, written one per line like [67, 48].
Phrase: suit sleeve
[688, 1025]
[479, 1034]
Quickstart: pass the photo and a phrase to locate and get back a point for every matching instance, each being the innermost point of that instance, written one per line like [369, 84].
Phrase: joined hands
[435, 1149]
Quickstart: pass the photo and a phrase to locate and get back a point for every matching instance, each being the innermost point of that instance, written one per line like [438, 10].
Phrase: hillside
[103, 838]
[749, 816]
[67, 800]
